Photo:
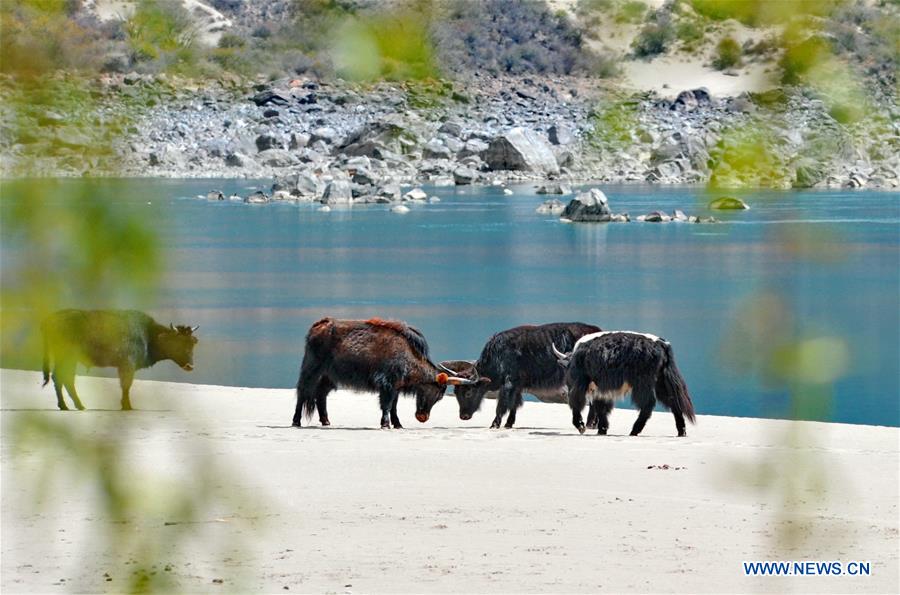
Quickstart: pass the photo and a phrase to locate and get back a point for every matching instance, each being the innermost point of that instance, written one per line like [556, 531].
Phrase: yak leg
[601, 408]
[61, 372]
[388, 399]
[395, 420]
[324, 387]
[679, 423]
[69, 381]
[516, 402]
[577, 401]
[645, 398]
[126, 376]
[592, 415]
[503, 403]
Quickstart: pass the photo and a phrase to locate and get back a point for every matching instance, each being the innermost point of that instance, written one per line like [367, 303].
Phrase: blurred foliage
[655, 36]
[615, 122]
[727, 55]
[743, 157]
[763, 12]
[67, 245]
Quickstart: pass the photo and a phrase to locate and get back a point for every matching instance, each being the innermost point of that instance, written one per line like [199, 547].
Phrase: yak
[619, 362]
[514, 361]
[384, 356]
[124, 339]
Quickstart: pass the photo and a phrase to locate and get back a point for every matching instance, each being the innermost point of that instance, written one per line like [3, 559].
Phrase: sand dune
[450, 506]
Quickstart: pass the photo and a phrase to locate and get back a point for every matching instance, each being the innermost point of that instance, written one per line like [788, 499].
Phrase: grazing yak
[124, 339]
[619, 362]
[385, 356]
[514, 361]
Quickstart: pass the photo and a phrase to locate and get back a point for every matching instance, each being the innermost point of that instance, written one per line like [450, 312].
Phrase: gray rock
[464, 175]
[388, 192]
[338, 192]
[473, 146]
[257, 198]
[416, 194]
[561, 134]
[267, 141]
[554, 188]
[588, 206]
[656, 217]
[728, 203]
[299, 140]
[215, 195]
[325, 134]
[678, 215]
[269, 97]
[363, 175]
[235, 197]
[276, 158]
[521, 149]
[453, 129]
[435, 149]
[554, 206]
[400, 209]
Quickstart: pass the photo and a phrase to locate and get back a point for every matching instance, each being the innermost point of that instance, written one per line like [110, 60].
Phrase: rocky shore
[338, 142]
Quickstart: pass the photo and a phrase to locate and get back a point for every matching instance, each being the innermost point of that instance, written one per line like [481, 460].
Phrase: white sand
[450, 506]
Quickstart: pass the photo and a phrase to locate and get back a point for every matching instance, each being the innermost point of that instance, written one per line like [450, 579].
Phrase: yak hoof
[581, 428]
[508, 426]
[325, 422]
[592, 425]
[495, 425]
[682, 434]
[602, 431]
[63, 408]
[385, 425]
[397, 426]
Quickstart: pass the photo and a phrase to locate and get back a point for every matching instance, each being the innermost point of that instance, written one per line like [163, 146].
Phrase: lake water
[255, 277]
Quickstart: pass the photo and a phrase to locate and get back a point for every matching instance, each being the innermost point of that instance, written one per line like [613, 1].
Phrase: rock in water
[521, 149]
[728, 203]
[464, 175]
[257, 198]
[588, 206]
[554, 206]
[215, 195]
[416, 194]
[554, 188]
[400, 209]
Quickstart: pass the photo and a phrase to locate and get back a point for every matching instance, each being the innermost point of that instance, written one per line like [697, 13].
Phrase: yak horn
[559, 354]
[444, 378]
[171, 326]
[448, 370]
[194, 328]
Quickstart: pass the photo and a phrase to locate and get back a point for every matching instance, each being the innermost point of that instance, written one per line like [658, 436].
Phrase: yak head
[177, 344]
[470, 393]
[429, 393]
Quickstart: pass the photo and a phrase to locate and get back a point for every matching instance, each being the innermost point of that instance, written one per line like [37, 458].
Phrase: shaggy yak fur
[383, 356]
[124, 339]
[514, 361]
[619, 362]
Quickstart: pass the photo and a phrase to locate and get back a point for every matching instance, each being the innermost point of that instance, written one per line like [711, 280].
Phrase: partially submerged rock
[554, 188]
[215, 195]
[554, 206]
[588, 206]
[728, 203]
[257, 198]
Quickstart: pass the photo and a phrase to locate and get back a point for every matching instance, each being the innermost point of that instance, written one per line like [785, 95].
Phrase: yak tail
[46, 363]
[673, 387]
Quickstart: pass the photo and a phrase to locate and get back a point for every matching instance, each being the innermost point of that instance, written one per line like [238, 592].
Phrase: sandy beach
[449, 506]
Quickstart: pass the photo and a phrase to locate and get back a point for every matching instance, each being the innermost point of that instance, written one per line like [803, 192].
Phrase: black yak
[514, 361]
[383, 356]
[124, 339]
[619, 362]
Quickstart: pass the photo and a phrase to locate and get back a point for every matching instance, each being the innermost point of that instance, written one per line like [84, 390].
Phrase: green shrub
[653, 39]
[728, 54]
[799, 58]
[631, 11]
[690, 33]
[230, 40]
[156, 28]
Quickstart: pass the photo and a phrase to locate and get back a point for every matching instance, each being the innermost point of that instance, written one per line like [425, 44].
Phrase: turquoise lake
[254, 277]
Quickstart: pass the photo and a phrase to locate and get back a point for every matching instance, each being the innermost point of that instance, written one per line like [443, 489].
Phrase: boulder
[521, 149]
[267, 141]
[281, 195]
[276, 158]
[561, 134]
[299, 140]
[235, 197]
[678, 215]
[588, 206]
[215, 195]
[268, 97]
[656, 217]
[473, 146]
[808, 173]
[554, 188]
[435, 149]
[388, 193]
[728, 203]
[326, 134]
[453, 129]
[257, 198]
[464, 175]
[236, 159]
[416, 194]
[400, 209]
[338, 192]
[554, 206]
